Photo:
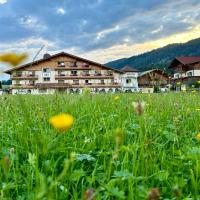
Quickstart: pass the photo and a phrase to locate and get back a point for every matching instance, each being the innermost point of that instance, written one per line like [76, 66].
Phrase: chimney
[46, 56]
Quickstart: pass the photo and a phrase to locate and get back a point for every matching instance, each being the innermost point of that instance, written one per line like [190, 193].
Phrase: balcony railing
[24, 77]
[83, 76]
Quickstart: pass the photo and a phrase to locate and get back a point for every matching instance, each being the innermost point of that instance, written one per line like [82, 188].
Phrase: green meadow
[109, 153]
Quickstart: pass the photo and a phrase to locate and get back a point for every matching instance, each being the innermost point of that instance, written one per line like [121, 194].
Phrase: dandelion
[116, 98]
[89, 194]
[12, 58]
[198, 136]
[62, 122]
[153, 194]
[139, 107]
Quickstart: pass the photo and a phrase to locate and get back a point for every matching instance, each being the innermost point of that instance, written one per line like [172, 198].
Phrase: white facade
[129, 81]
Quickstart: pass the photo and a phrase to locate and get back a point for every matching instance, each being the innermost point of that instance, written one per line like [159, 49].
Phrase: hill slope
[159, 58]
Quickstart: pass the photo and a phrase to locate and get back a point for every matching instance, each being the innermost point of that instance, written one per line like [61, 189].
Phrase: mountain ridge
[159, 58]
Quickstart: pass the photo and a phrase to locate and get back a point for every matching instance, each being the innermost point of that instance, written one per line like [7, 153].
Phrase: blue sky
[100, 30]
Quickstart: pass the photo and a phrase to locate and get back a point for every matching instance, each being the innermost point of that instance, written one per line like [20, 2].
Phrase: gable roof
[152, 70]
[60, 54]
[128, 68]
[185, 60]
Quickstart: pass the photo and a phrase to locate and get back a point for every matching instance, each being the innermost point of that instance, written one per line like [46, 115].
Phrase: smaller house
[153, 81]
[186, 71]
[129, 79]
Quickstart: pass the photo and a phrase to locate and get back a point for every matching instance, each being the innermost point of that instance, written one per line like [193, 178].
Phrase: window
[97, 73]
[110, 73]
[43, 91]
[73, 64]
[189, 74]
[61, 73]
[46, 79]
[75, 82]
[61, 81]
[18, 73]
[31, 73]
[17, 82]
[176, 75]
[86, 73]
[102, 82]
[61, 64]
[73, 73]
[128, 81]
[46, 70]
[85, 65]
[86, 81]
[32, 82]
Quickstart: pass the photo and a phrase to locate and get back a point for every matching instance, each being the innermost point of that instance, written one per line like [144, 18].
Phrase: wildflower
[62, 122]
[138, 107]
[116, 98]
[198, 136]
[198, 82]
[153, 194]
[12, 58]
[193, 91]
[178, 83]
[89, 194]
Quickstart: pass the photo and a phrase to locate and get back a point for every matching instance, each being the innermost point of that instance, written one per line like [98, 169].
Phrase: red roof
[188, 59]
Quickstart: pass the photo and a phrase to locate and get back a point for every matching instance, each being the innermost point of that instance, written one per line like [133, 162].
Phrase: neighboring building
[186, 70]
[150, 80]
[64, 72]
[129, 79]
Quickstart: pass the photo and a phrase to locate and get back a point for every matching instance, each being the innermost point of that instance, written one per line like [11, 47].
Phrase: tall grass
[159, 148]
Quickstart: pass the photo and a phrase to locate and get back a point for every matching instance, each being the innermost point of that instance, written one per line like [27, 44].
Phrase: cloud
[60, 11]
[32, 22]
[3, 1]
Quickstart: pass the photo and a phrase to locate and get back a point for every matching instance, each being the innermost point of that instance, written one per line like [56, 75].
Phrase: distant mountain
[159, 58]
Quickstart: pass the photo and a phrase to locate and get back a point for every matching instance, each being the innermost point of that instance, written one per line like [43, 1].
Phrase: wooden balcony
[84, 77]
[24, 77]
[79, 67]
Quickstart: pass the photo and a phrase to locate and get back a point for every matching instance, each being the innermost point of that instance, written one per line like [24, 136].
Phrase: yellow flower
[12, 58]
[178, 83]
[198, 136]
[183, 90]
[116, 98]
[62, 122]
[198, 82]
[193, 91]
